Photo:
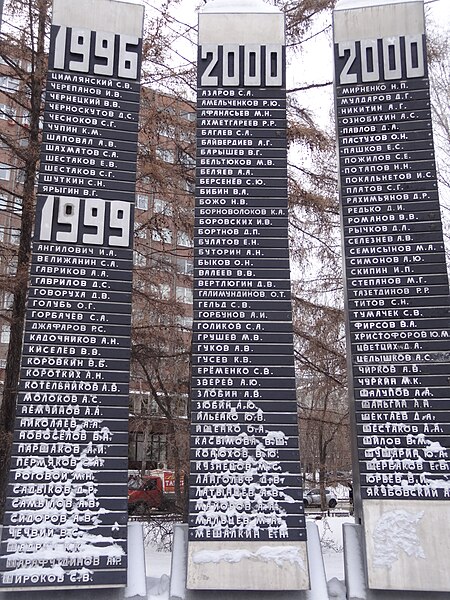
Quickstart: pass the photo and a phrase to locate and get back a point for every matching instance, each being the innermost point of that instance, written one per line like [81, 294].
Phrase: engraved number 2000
[389, 55]
[94, 216]
[244, 65]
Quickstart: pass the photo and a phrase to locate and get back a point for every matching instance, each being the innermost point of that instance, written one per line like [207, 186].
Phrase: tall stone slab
[246, 520]
[66, 513]
[396, 294]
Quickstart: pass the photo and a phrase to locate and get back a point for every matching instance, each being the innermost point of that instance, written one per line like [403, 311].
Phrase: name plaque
[66, 512]
[394, 260]
[245, 483]
[396, 285]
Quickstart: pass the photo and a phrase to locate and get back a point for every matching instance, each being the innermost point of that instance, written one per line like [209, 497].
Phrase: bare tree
[26, 60]
[322, 392]
[439, 70]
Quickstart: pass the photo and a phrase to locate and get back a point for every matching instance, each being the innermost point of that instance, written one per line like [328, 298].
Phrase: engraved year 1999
[94, 221]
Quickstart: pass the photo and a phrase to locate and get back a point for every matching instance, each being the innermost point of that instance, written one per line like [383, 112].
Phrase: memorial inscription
[66, 513]
[397, 284]
[245, 471]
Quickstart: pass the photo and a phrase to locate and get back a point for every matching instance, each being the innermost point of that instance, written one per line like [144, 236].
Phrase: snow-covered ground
[158, 561]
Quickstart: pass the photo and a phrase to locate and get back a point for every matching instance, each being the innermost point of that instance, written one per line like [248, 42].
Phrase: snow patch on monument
[277, 554]
[396, 532]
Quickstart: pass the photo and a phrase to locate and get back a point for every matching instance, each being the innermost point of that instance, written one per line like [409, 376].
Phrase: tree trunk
[12, 371]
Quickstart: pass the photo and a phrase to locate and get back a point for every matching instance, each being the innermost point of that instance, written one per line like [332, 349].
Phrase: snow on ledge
[237, 6]
[349, 4]
[276, 554]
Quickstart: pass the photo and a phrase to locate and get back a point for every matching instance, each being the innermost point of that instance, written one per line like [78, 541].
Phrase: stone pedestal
[356, 574]
[178, 580]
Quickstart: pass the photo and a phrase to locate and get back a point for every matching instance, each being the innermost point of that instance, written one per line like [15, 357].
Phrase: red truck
[144, 494]
[148, 493]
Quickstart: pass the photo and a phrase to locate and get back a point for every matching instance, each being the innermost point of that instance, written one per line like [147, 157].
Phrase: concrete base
[249, 565]
[178, 589]
[356, 574]
[407, 544]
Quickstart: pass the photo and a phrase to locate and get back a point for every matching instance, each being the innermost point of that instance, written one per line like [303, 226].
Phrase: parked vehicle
[312, 497]
[144, 495]
[148, 493]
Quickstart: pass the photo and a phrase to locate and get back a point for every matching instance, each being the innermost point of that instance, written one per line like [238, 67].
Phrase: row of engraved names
[368, 115]
[113, 575]
[358, 187]
[418, 107]
[248, 533]
[107, 117]
[84, 473]
[354, 137]
[71, 563]
[369, 89]
[407, 490]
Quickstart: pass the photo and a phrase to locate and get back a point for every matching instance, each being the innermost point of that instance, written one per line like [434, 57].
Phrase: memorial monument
[246, 520]
[396, 298]
[66, 514]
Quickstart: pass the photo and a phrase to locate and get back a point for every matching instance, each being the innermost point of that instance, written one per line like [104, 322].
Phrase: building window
[140, 231]
[164, 236]
[161, 291]
[189, 186]
[17, 205]
[186, 160]
[184, 239]
[4, 334]
[139, 259]
[164, 291]
[142, 201]
[167, 131]
[185, 322]
[162, 207]
[139, 284]
[8, 300]
[185, 266]
[8, 84]
[11, 268]
[165, 154]
[184, 295]
[6, 112]
[25, 119]
[15, 236]
[20, 176]
[144, 403]
[157, 448]
[161, 260]
[2, 234]
[154, 455]
[5, 172]
[3, 201]
[189, 116]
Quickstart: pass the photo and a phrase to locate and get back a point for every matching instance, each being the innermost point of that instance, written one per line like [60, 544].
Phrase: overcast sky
[313, 65]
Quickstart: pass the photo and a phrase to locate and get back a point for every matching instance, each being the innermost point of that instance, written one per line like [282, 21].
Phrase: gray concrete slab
[356, 577]
[178, 591]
